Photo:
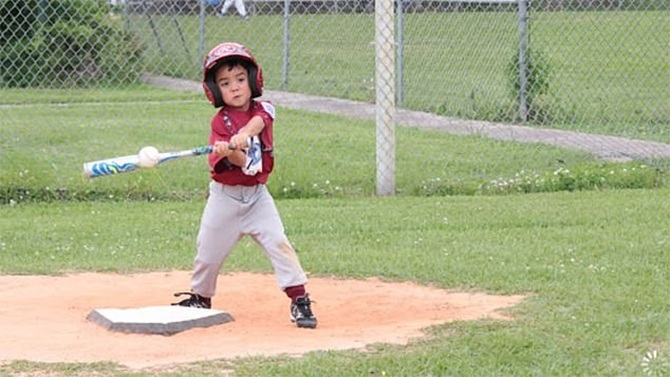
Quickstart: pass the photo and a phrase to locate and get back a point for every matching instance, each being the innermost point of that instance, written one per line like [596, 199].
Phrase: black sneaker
[301, 312]
[194, 301]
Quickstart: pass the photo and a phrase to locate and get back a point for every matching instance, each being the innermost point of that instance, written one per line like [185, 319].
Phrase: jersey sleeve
[266, 110]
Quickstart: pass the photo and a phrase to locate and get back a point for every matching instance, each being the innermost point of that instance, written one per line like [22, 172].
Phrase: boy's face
[233, 82]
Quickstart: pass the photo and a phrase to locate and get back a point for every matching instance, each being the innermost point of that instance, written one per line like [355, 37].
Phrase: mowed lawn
[594, 267]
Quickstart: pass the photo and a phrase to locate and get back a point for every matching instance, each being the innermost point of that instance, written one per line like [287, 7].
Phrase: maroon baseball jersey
[228, 122]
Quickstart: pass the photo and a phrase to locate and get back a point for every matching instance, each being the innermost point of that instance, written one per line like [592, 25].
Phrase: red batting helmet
[220, 54]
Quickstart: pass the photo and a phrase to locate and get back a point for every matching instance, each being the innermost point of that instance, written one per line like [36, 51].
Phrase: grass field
[587, 242]
[593, 264]
[45, 145]
[588, 249]
[605, 69]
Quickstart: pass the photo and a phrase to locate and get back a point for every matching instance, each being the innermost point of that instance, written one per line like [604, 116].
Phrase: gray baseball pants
[231, 213]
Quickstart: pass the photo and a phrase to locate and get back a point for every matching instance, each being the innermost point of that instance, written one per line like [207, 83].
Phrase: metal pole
[523, 60]
[201, 41]
[400, 50]
[385, 97]
[126, 15]
[42, 15]
[287, 45]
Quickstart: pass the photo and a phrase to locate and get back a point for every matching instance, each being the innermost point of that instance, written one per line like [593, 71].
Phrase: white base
[164, 320]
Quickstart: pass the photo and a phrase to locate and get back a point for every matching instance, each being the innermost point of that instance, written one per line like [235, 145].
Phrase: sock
[207, 300]
[294, 292]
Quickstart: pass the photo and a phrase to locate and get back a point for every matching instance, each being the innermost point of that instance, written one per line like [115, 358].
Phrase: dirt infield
[46, 320]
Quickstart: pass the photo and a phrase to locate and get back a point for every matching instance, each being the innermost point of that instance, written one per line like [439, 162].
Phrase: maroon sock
[295, 292]
[207, 300]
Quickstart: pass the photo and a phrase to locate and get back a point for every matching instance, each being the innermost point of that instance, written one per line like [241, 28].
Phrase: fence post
[42, 17]
[385, 97]
[287, 44]
[201, 42]
[523, 60]
[400, 17]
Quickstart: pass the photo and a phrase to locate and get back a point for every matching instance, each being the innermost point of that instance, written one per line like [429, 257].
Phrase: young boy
[239, 203]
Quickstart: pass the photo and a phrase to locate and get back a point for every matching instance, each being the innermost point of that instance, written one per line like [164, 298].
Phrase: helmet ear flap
[217, 99]
[211, 90]
[255, 80]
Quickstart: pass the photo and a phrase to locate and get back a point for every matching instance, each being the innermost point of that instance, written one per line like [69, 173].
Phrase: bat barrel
[130, 163]
[111, 166]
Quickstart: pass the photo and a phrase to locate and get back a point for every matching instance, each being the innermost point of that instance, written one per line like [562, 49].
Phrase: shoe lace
[191, 294]
[304, 306]
[193, 298]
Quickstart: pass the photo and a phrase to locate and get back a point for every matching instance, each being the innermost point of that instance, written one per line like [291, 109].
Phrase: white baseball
[149, 157]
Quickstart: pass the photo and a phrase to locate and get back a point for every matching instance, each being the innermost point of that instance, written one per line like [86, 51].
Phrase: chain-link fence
[591, 64]
[583, 66]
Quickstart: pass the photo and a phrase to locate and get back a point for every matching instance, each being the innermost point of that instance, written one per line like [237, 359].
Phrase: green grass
[593, 265]
[590, 252]
[43, 97]
[626, 48]
[44, 146]
[606, 67]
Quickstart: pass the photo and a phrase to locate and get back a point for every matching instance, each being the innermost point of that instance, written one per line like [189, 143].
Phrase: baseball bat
[124, 164]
